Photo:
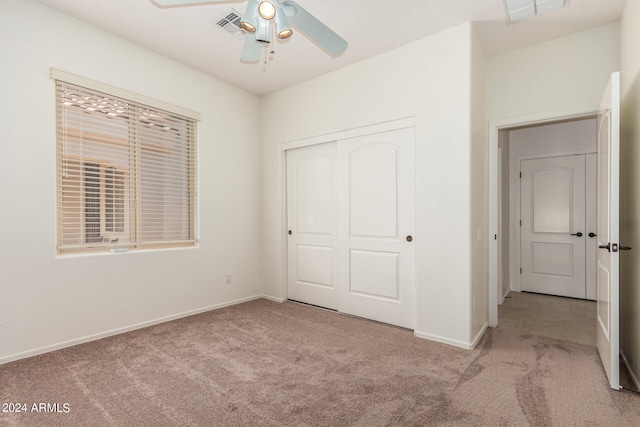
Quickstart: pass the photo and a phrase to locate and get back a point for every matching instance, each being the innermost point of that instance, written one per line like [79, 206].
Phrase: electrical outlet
[227, 278]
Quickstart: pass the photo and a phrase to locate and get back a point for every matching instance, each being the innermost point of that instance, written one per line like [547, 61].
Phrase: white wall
[505, 204]
[46, 301]
[629, 190]
[561, 74]
[430, 80]
[479, 193]
[573, 137]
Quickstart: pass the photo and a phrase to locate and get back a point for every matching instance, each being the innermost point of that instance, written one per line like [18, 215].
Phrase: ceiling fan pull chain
[269, 51]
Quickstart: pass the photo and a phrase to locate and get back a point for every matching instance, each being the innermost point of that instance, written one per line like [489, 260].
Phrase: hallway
[556, 317]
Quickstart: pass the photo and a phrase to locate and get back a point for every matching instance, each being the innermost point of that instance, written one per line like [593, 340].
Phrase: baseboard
[94, 337]
[271, 298]
[479, 335]
[455, 343]
[634, 378]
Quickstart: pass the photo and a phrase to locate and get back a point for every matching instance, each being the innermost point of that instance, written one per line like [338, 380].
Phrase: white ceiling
[189, 34]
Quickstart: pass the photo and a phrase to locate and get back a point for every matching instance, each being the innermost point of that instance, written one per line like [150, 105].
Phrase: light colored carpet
[267, 364]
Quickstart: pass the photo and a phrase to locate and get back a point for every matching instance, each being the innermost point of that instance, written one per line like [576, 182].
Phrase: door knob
[592, 234]
[577, 234]
[409, 238]
[290, 232]
[615, 247]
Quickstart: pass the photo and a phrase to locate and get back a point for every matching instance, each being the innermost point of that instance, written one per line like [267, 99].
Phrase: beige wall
[629, 189]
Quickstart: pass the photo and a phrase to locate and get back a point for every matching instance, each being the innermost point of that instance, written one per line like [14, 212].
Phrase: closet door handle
[592, 234]
[579, 234]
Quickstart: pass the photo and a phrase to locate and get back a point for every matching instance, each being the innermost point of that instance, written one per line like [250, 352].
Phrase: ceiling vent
[519, 10]
[230, 22]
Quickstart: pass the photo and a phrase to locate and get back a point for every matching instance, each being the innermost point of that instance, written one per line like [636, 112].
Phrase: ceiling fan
[264, 18]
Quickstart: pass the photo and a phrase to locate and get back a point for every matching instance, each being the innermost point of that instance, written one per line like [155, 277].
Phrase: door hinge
[520, 174]
[520, 223]
[520, 270]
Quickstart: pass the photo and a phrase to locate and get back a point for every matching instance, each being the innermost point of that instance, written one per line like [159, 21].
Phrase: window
[126, 173]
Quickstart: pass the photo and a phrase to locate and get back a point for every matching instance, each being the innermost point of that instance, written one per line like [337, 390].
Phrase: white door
[376, 220]
[311, 224]
[591, 225]
[553, 229]
[608, 230]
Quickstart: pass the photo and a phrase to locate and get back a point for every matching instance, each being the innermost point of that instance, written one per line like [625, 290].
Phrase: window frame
[131, 222]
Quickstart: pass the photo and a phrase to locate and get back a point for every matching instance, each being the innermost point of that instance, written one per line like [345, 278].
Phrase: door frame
[495, 126]
[408, 122]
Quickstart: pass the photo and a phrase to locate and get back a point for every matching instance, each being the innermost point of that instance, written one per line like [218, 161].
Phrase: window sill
[124, 251]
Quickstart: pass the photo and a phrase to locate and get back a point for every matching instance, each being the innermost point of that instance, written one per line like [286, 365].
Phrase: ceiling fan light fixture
[266, 20]
[283, 28]
[263, 33]
[249, 21]
[247, 27]
[267, 9]
[285, 34]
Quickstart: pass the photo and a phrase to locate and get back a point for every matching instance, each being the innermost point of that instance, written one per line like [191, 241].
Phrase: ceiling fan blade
[168, 3]
[316, 30]
[252, 50]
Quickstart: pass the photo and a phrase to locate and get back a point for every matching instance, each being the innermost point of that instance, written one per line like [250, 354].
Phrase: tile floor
[557, 317]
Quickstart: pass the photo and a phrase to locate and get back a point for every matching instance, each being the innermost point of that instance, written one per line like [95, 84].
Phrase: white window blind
[126, 173]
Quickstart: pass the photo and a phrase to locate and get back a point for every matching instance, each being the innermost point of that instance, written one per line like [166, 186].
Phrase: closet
[350, 225]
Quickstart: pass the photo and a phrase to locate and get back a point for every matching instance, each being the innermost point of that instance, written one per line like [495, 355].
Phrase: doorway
[548, 193]
[607, 117]
[546, 184]
[503, 221]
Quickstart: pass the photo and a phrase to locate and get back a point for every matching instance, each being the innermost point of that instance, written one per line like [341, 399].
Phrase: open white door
[608, 231]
